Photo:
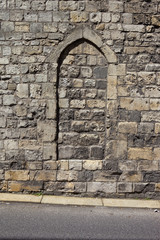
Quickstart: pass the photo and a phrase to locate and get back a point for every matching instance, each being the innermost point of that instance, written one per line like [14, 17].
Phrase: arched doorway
[82, 84]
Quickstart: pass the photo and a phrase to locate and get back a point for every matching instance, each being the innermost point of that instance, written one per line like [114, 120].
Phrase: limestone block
[27, 59]
[7, 26]
[21, 110]
[46, 130]
[117, 70]
[100, 72]
[152, 91]
[133, 28]
[116, 149]
[10, 144]
[50, 151]
[127, 127]
[50, 27]
[77, 83]
[35, 90]
[77, 103]
[147, 165]
[41, 78]
[21, 27]
[45, 175]
[33, 50]
[48, 90]
[30, 17]
[12, 69]
[66, 152]
[63, 165]
[64, 102]
[106, 187]
[92, 164]
[50, 165]
[51, 109]
[75, 165]
[157, 127]
[112, 87]
[157, 187]
[86, 72]
[34, 165]
[95, 17]
[152, 67]
[22, 90]
[124, 187]
[106, 17]
[150, 116]
[60, 16]
[2, 122]
[4, 60]
[116, 35]
[27, 185]
[156, 154]
[77, 16]
[147, 77]
[131, 177]
[127, 18]
[16, 175]
[45, 16]
[52, 5]
[115, 6]
[146, 128]
[67, 175]
[4, 15]
[2, 155]
[140, 153]
[68, 6]
[97, 152]
[9, 100]
[109, 54]
[156, 20]
[96, 103]
[140, 104]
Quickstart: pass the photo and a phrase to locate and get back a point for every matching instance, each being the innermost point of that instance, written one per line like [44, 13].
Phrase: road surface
[40, 221]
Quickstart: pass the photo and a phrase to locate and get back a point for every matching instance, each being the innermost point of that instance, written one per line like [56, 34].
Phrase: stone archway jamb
[83, 32]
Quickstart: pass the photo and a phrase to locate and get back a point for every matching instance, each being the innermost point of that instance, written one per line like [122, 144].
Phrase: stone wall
[80, 97]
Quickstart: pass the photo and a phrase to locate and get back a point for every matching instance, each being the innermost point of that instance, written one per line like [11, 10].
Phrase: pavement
[34, 221]
[79, 201]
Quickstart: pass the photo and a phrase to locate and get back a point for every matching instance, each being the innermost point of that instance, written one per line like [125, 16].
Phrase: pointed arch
[83, 32]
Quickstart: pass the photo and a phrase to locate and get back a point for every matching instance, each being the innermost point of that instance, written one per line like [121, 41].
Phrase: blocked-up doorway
[81, 94]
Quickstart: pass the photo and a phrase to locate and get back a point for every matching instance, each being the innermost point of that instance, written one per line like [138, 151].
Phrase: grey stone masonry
[80, 97]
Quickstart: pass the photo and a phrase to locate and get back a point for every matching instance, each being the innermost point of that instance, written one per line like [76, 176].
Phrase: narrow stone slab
[10, 197]
[72, 201]
[131, 203]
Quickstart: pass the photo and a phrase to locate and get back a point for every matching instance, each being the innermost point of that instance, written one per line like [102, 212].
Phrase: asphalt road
[38, 221]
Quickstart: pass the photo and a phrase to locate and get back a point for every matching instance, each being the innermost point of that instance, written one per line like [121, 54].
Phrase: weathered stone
[156, 20]
[97, 153]
[16, 175]
[77, 16]
[45, 175]
[92, 164]
[46, 130]
[153, 176]
[140, 104]
[22, 90]
[106, 187]
[127, 127]
[124, 187]
[140, 153]
[27, 185]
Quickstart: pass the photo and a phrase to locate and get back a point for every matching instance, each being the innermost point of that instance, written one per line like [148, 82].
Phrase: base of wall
[63, 200]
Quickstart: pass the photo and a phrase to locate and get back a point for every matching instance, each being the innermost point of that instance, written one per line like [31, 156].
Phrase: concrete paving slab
[10, 197]
[72, 200]
[131, 203]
